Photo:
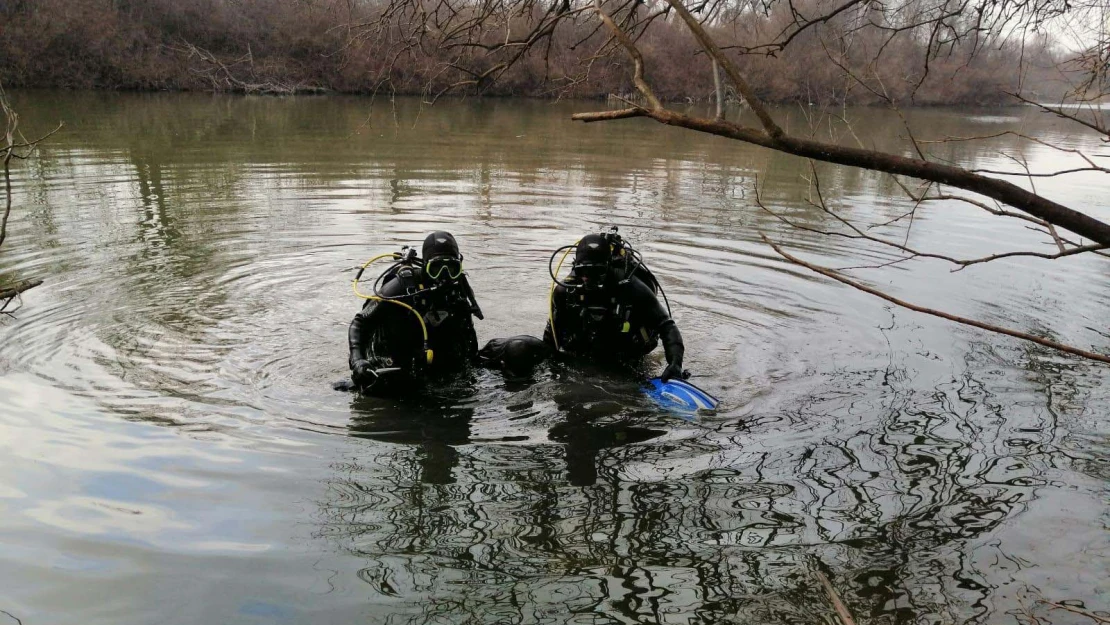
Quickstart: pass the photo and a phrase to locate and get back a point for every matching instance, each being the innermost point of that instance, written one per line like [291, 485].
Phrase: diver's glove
[674, 350]
[674, 370]
[363, 374]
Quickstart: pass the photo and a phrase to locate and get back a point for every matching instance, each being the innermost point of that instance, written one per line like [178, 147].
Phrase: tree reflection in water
[623, 515]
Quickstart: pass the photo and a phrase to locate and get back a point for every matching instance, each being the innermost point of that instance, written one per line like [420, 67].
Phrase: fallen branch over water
[938, 173]
[8, 293]
[13, 140]
[223, 79]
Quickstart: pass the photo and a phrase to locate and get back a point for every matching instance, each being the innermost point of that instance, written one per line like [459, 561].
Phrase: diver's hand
[674, 370]
[362, 373]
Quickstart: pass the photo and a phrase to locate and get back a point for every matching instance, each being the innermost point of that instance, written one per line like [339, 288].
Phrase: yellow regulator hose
[551, 295]
[423, 326]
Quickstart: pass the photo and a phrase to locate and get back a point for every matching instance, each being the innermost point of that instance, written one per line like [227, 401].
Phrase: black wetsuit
[388, 335]
[619, 323]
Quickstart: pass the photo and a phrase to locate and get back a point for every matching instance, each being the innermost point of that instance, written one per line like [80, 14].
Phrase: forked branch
[634, 53]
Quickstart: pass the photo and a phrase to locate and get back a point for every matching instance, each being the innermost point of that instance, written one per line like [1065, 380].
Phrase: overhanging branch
[8, 293]
[936, 313]
[1001, 190]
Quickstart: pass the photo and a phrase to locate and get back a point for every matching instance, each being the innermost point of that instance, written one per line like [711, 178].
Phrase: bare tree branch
[1001, 190]
[634, 52]
[937, 313]
[11, 291]
[221, 77]
[730, 68]
[603, 116]
[1075, 610]
[834, 598]
[11, 123]
[7, 185]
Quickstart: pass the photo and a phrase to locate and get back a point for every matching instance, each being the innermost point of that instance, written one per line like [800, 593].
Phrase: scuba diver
[606, 309]
[417, 323]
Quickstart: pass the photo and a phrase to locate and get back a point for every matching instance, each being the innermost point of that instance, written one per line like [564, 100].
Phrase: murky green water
[172, 451]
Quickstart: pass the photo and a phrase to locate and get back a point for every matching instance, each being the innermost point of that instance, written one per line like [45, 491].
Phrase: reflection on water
[723, 522]
[197, 252]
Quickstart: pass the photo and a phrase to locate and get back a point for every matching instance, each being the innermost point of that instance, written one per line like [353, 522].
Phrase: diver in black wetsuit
[418, 321]
[606, 309]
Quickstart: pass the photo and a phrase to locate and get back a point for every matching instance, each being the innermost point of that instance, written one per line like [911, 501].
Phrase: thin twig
[1060, 113]
[913, 253]
[1042, 142]
[1064, 606]
[937, 313]
[838, 604]
[1027, 612]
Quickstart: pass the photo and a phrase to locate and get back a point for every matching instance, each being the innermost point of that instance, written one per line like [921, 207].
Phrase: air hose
[377, 298]
[554, 283]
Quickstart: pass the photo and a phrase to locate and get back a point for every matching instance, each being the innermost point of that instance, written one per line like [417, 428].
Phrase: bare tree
[238, 75]
[479, 41]
[16, 146]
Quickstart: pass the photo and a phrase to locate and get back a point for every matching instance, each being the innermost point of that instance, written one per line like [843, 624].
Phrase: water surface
[173, 451]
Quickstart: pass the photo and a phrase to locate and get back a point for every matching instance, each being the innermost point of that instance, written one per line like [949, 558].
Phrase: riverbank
[267, 46]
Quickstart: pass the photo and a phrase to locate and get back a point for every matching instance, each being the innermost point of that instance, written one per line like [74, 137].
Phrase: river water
[171, 450]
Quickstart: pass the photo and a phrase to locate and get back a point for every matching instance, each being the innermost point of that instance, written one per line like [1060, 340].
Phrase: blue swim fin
[679, 395]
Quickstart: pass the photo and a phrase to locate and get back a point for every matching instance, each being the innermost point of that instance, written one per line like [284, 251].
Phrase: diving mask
[591, 275]
[443, 268]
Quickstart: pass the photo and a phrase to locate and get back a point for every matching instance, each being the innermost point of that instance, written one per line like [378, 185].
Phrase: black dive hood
[592, 251]
[440, 244]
